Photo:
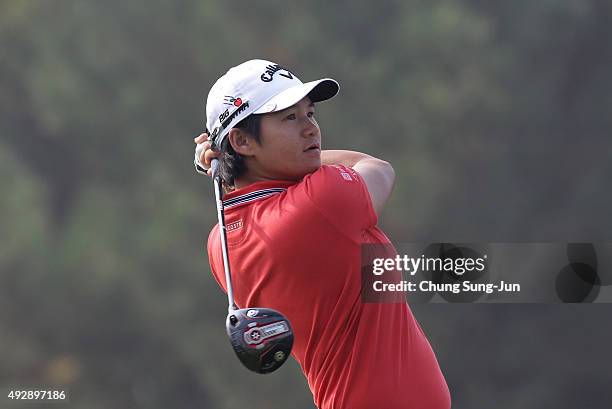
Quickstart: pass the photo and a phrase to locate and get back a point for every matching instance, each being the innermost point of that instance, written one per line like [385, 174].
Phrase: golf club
[261, 337]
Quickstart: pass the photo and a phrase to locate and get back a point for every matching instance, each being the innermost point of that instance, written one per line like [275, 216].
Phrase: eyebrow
[311, 105]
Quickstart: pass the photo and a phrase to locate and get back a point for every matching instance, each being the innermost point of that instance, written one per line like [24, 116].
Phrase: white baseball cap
[258, 87]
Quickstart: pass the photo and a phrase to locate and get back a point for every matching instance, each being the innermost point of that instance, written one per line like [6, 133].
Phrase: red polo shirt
[295, 247]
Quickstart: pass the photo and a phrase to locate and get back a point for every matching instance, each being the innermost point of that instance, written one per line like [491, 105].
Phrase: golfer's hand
[204, 154]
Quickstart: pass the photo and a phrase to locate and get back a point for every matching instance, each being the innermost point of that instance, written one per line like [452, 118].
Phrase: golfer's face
[290, 142]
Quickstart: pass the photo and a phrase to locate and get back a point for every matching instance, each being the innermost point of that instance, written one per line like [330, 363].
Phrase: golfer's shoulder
[336, 178]
[333, 183]
[337, 192]
[333, 195]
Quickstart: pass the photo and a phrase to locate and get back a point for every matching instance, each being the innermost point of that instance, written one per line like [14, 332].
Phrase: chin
[313, 167]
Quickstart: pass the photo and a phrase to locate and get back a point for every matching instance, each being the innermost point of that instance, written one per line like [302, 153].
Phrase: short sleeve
[342, 196]
[213, 247]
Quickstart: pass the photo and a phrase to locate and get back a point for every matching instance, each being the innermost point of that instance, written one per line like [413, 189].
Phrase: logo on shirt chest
[234, 225]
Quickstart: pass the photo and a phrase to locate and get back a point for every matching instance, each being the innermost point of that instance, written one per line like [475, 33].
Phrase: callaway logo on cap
[258, 87]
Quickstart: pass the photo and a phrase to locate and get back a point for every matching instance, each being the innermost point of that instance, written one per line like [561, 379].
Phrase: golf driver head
[261, 337]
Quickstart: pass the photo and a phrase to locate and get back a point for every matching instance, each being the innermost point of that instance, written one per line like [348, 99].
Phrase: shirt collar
[255, 191]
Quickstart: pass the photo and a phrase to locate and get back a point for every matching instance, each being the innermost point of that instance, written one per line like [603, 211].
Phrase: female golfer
[297, 218]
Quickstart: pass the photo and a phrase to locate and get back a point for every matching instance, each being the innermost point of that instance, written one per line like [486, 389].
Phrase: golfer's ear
[241, 141]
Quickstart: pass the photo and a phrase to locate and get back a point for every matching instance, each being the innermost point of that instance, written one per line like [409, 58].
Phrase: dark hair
[232, 164]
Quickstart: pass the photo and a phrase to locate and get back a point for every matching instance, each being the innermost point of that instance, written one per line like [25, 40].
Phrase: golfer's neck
[249, 179]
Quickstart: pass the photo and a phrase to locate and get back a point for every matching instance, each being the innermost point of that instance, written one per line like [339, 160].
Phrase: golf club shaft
[222, 232]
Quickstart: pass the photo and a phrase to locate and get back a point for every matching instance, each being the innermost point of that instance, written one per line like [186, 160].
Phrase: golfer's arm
[378, 175]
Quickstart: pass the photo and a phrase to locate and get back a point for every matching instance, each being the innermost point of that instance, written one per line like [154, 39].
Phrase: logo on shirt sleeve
[346, 176]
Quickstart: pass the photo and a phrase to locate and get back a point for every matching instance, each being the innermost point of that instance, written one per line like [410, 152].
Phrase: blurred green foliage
[496, 116]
